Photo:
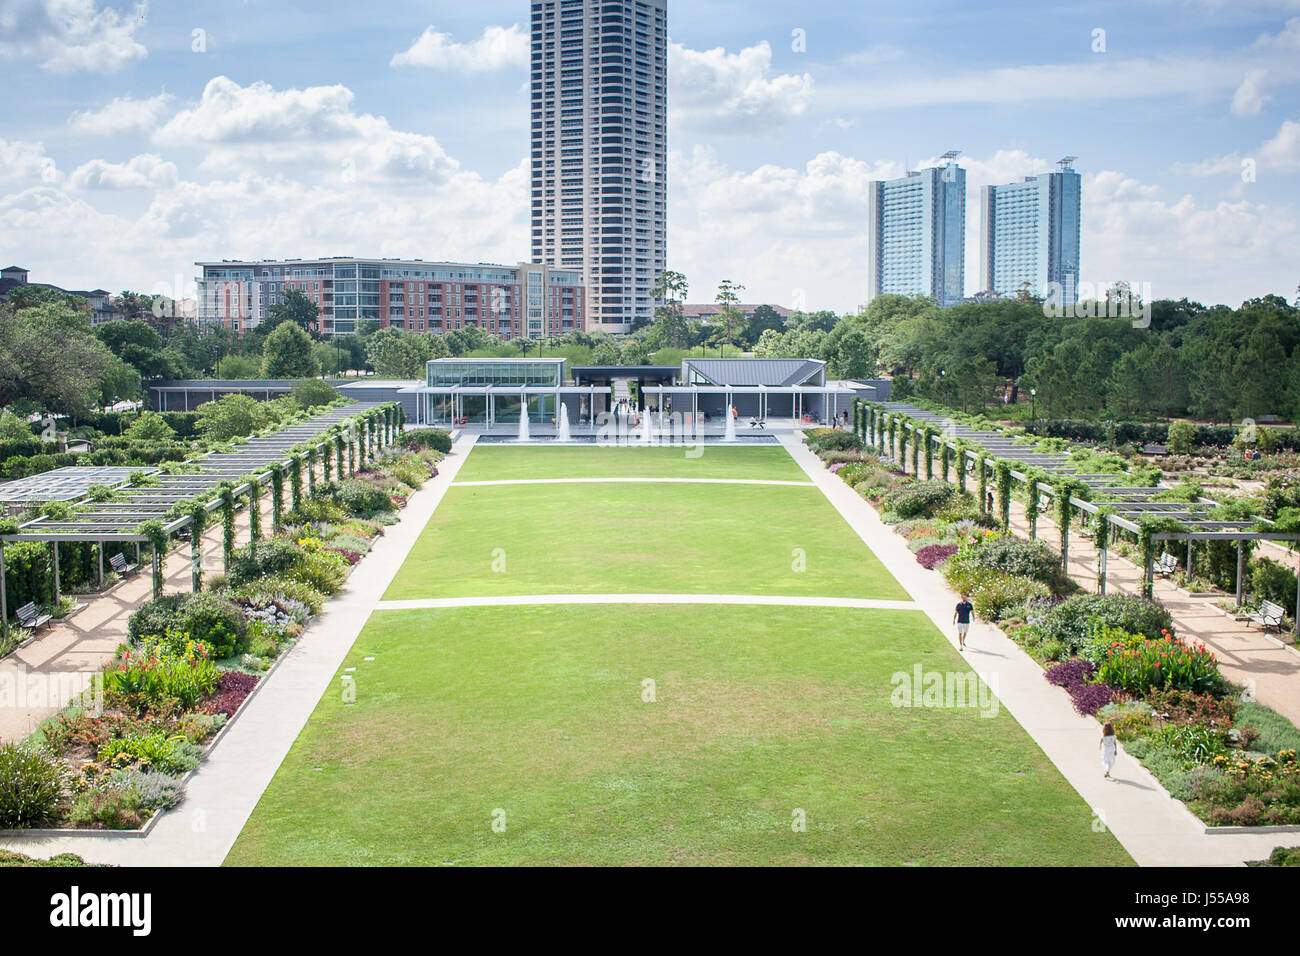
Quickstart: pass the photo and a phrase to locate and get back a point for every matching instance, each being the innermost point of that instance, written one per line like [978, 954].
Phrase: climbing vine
[961, 466]
[1002, 476]
[916, 452]
[927, 439]
[277, 497]
[1066, 488]
[352, 453]
[254, 508]
[227, 494]
[338, 454]
[945, 460]
[981, 462]
[1148, 526]
[1033, 475]
[311, 471]
[295, 483]
[152, 531]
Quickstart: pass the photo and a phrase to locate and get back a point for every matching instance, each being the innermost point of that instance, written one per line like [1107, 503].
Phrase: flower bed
[191, 662]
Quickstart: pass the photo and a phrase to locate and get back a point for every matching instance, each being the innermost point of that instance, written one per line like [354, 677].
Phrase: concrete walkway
[1155, 829]
[225, 789]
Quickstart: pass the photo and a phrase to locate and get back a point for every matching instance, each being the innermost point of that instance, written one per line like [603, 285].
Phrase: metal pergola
[1125, 506]
[118, 520]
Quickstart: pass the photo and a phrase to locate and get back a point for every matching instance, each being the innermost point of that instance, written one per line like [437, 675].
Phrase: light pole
[1033, 407]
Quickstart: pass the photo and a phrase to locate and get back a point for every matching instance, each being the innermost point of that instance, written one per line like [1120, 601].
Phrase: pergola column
[1101, 582]
[57, 593]
[4, 603]
[1241, 561]
[196, 559]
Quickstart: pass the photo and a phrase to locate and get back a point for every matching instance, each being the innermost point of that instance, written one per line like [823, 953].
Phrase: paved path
[59, 664]
[228, 784]
[765, 599]
[1155, 829]
[607, 481]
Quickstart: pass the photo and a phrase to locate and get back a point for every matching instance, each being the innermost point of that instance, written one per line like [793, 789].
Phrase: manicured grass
[502, 462]
[640, 538]
[759, 713]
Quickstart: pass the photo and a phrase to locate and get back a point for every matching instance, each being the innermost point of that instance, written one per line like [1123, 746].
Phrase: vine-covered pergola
[341, 439]
[1102, 500]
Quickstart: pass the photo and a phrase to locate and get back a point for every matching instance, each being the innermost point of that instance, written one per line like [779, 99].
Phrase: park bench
[1167, 564]
[1268, 615]
[119, 565]
[31, 618]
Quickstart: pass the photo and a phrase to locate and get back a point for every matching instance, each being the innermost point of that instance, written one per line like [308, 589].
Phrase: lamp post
[1033, 408]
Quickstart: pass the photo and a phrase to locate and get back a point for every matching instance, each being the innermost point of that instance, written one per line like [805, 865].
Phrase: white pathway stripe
[615, 481]
[222, 794]
[1156, 829]
[415, 604]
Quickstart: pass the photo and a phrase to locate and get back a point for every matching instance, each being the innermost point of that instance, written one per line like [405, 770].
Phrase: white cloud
[498, 48]
[123, 115]
[1255, 90]
[245, 128]
[717, 91]
[25, 164]
[69, 36]
[146, 171]
[1282, 152]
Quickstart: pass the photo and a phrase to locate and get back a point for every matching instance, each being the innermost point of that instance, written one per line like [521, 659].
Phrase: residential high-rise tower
[916, 234]
[1029, 236]
[599, 147]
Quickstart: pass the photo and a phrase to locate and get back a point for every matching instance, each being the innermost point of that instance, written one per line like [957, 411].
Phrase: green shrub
[114, 808]
[1012, 555]
[269, 556]
[217, 622]
[362, 500]
[31, 787]
[996, 590]
[157, 617]
[154, 750]
[156, 791]
[918, 499]
[1192, 745]
[434, 438]
[323, 571]
[1167, 663]
[832, 439]
[1130, 719]
[1271, 581]
[1070, 621]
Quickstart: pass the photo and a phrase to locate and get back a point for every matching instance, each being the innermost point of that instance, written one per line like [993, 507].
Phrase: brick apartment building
[525, 300]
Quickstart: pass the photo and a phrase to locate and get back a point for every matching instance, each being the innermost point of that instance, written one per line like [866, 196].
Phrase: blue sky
[400, 129]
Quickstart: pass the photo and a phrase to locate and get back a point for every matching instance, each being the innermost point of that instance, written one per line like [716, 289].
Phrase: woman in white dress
[1109, 747]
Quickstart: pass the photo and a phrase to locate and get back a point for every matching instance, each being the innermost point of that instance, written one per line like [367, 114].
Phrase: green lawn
[760, 712]
[502, 462]
[640, 538]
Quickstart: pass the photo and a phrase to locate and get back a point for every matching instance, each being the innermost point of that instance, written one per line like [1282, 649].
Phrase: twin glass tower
[599, 149]
[1029, 235]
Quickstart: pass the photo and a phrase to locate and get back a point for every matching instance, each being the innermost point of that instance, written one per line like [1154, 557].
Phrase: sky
[137, 139]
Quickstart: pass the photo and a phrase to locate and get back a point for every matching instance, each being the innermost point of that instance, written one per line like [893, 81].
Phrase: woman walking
[1109, 745]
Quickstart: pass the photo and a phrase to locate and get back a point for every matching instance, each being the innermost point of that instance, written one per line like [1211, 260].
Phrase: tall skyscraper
[916, 234]
[1029, 236]
[599, 149]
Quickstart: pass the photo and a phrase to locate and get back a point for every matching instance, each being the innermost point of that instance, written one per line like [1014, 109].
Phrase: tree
[49, 357]
[311, 392]
[672, 288]
[729, 297]
[287, 353]
[1180, 437]
[394, 353]
[295, 307]
[765, 317]
[232, 416]
[150, 426]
